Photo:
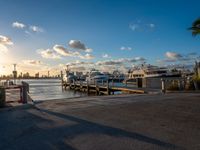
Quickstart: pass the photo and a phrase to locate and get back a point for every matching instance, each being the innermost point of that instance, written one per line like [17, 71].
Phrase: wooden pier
[99, 88]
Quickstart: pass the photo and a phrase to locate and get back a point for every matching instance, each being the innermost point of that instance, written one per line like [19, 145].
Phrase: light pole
[14, 73]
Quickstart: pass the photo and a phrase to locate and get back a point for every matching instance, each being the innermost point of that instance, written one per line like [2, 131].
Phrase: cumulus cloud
[173, 55]
[123, 48]
[86, 56]
[137, 59]
[106, 56]
[18, 25]
[121, 61]
[49, 54]
[78, 63]
[4, 42]
[27, 29]
[32, 62]
[64, 52]
[110, 62]
[79, 45]
[36, 29]
[61, 50]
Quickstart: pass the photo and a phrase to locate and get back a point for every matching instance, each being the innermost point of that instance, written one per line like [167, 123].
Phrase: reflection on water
[47, 89]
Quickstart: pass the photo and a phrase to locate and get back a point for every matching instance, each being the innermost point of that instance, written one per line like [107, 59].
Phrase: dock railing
[100, 87]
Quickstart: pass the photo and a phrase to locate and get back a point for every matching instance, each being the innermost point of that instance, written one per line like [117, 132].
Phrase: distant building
[37, 75]
[26, 75]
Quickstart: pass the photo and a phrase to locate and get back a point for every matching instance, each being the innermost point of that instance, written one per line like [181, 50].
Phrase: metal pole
[2, 96]
[108, 90]
[88, 90]
[24, 92]
[163, 86]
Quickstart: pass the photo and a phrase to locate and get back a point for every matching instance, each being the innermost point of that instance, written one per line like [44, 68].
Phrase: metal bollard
[163, 86]
[24, 92]
[2, 97]
[108, 89]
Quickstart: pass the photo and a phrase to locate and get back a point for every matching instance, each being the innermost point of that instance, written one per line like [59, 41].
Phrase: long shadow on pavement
[84, 127]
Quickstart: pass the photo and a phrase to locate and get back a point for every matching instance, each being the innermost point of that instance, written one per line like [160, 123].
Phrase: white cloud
[123, 48]
[173, 55]
[86, 56]
[106, 56]
[79, 63]
[18, 25]
[88, 50]
[4, 42]
[121, 61]
[49, 54]
[64, 52]
[36, 29]
[32, 62]
[32, 28]
[110, 62]
[136, 59]
[61, 50]
[76, 44]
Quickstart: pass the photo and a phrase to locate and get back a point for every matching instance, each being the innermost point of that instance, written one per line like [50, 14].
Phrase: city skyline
[107, 35]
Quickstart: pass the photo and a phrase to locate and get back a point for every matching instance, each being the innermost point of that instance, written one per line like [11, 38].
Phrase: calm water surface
[49, 89]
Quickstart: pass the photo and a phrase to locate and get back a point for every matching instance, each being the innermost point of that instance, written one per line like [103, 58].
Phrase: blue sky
[125, 32]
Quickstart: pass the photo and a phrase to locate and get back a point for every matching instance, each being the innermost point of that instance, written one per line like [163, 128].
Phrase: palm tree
[195, 27]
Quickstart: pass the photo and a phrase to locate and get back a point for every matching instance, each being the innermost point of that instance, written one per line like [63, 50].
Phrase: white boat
[96, 76]
[69, 77]
[149, 71]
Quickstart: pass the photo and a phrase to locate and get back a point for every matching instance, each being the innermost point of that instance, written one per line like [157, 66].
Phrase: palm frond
[196, 23]
[195, 27]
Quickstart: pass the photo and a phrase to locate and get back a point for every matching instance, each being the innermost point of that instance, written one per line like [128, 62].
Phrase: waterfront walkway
[119, 122]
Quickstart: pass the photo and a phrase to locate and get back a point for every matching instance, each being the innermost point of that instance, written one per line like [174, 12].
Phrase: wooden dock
[100, 88]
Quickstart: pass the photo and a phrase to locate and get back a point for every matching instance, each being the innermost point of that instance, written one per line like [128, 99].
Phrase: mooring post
[65, 85]
[108, 89]
[2, 96]
[88, 88]
[24, 92]
[179, 85]
[163, 86]
[80, 85]
[74, 84]
[97, 88]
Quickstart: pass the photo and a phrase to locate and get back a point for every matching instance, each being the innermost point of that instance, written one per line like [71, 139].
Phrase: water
[49, 89]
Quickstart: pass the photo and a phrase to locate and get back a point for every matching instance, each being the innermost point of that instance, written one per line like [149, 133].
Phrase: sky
[47, 35]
